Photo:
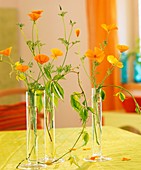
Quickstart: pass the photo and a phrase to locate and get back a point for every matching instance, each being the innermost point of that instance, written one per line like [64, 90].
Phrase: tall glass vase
[35, 101]
[49, 131]
[49, 127]
[96, 102]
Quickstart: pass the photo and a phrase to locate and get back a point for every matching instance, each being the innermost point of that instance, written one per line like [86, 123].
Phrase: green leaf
[85, 138]
[72, 23]
[137, 109]
[84, 102]
[47, 72]
[121, 96]
[73, 160]
[48, 88]
[83, 114]
[91, 110]
[20, 25]
[75, 103]
[62, 14]
[64, 41]
[58, 90]
[39, 102]
[58, 77]
[75, 42]
[103, 94]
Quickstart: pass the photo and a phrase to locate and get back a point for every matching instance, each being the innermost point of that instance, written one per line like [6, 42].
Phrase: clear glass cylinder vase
[96, 123]
[35, 104]
[96, 102]
[49, 127]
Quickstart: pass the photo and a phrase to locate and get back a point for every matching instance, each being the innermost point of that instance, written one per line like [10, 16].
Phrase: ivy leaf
[103, 94]
[47, 72]
[83, 114]
[121, 96]
[73, 160]
[85, 138]
[91, 110]
[75, 103]
[58, 90]
[58, 77]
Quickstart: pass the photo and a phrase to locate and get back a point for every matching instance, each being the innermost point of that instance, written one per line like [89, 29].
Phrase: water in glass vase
[34, 132]
[49, 130]
[96, 128]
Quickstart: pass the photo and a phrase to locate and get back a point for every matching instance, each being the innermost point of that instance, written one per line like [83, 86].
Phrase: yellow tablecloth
[116, 143]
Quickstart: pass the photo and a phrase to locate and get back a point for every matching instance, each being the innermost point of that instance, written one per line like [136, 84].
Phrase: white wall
[51, 28]
[8, 3]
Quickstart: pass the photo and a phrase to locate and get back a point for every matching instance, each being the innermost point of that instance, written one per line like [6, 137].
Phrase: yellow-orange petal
[41, 58]
[122, 48]
[100, 58]
[6, 52]
[94, 157]
[34, 16]
[17, 64]
[56, 53]
[126, 159]
[114, 61]
[22, 68]
[77, 32]
[119, 64]
[109, 28]
[97, 54]
[110, 59]
[37, 11]
[90, 54]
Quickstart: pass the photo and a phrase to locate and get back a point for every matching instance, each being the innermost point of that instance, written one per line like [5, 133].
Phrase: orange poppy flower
[34, 16]
[97, 54]
[22, 68]
[122, 48]
[114, 61]
[109, 28]
[56, 53]
[6, 52]
[41, 58]
[37, 11]
[77, 32]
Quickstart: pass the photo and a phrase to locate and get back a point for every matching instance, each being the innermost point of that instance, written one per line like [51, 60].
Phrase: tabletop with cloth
[116, 143]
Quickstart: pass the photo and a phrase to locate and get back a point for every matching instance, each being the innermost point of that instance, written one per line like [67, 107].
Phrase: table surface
[116, 143]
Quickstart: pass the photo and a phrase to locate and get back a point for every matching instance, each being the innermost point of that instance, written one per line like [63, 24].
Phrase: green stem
[107, 75]
[84, 125]
[123, 89]
[83, 65]
[23, 35]
[70, 33]
[65, 56]
[64, 27]
[33, 45]
[37, 36]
